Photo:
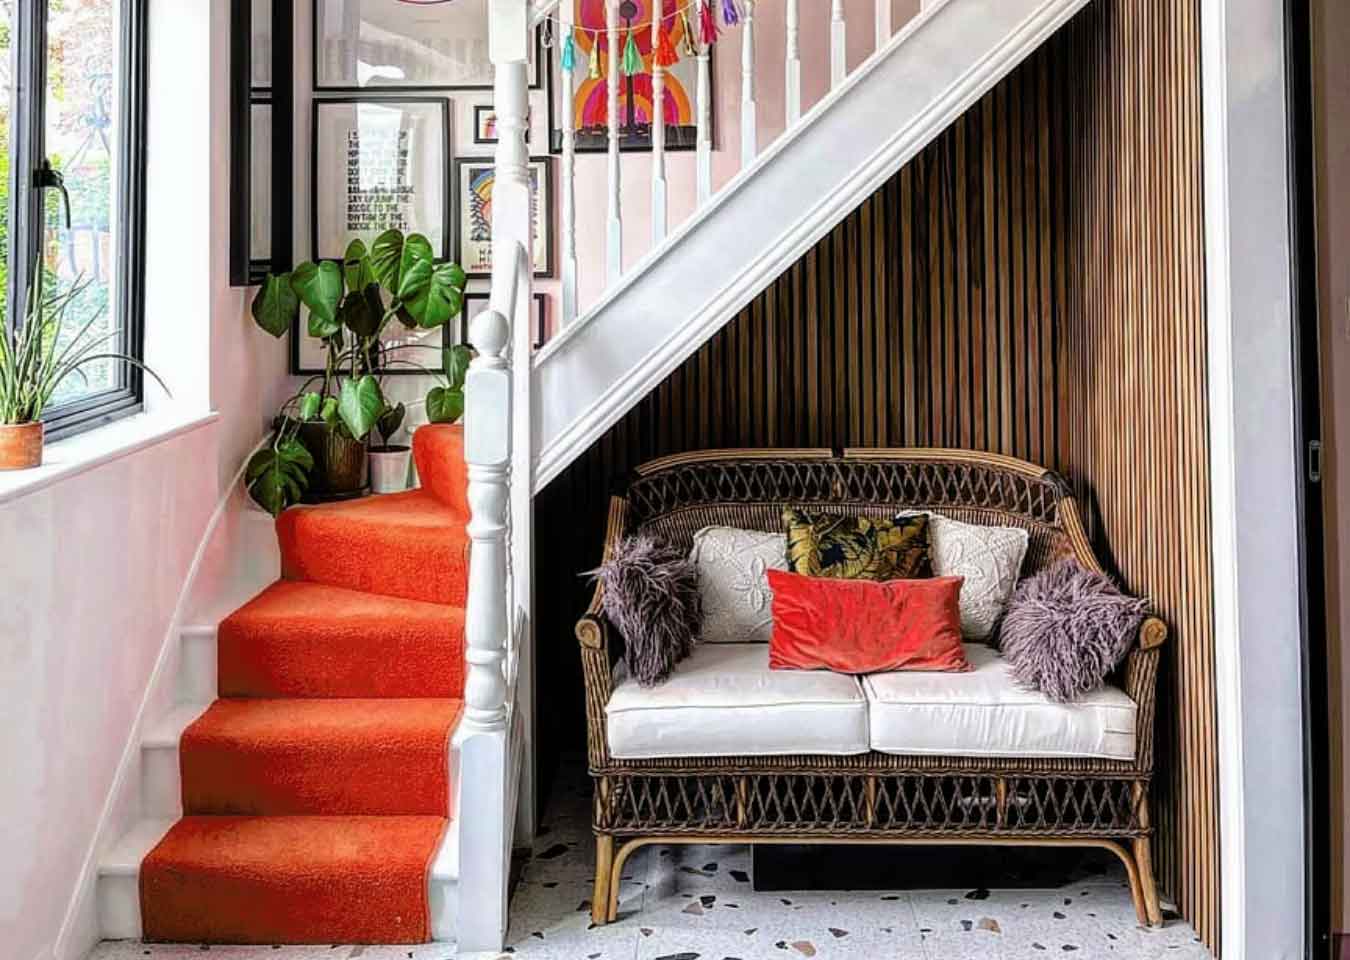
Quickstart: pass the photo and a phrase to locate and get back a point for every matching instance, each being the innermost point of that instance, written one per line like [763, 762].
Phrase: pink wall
[770, 47]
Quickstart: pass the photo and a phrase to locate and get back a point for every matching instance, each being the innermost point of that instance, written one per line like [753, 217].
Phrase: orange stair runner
[316, 790]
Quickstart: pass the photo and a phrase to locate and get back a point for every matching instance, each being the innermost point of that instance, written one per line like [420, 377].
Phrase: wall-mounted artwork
[474, 181]
[380, 164]
[484, 123]
[476, 303]
[590, 98]
[405, 45]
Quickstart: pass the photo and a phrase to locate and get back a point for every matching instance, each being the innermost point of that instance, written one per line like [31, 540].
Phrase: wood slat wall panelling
[1031, 284]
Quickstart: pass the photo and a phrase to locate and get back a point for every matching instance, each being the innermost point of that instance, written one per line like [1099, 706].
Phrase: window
[72, 130]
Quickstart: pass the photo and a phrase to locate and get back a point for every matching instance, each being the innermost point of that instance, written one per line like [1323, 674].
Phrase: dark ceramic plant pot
[339, 463]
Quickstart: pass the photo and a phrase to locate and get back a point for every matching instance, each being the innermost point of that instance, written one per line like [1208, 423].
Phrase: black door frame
[1308, 436]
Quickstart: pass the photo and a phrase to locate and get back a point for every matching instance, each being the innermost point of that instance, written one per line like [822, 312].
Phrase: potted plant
[389, 461]
[36, 357]
[335, 412]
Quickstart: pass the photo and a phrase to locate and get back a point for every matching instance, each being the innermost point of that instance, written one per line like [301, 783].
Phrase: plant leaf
[356, 266]
[329, 411]
[360, 405]
[455, 362]
[390, 420]
[278, 476]
[276, 305]
[319, 287]
[386, 259]
[441, 299]
[310, 404]
[358, 315]
[444, 405]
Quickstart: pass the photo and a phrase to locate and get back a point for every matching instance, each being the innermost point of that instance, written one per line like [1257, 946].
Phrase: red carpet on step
[316, 791]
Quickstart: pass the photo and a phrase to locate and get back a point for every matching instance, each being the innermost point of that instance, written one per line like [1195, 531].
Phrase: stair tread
[125, 856]
[297, 721]
[169, 730]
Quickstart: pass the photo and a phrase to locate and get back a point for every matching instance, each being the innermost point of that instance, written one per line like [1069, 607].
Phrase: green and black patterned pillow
[857, 548]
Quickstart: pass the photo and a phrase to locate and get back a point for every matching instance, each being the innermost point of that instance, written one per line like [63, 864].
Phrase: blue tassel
[730, 15]
[569, 54]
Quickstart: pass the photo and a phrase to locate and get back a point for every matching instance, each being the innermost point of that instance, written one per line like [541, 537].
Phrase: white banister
[703, 156]
[749, 138]
[884, 28]
[838, 44]
[614, 259]
[658, 119]
[793, 85]
[567, 15]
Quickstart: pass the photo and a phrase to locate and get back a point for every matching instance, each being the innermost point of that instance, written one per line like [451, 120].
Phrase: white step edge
[197, 674]
[443, 887]
[161, 775]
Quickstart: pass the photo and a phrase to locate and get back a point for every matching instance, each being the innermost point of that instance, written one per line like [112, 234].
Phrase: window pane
[81, 142]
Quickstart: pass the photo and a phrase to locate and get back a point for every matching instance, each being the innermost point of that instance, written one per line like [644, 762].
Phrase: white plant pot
[389, 469]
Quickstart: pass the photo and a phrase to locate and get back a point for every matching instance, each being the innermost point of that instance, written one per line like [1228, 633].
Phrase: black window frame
[28, 65]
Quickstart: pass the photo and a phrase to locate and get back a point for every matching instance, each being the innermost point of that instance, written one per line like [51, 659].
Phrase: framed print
[484, 123]
[476, 303]
[590, 97]
[474, 180]
[380, 164]
[406, 45]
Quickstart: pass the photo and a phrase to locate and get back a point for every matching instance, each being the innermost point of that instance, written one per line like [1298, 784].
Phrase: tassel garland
[687, 36]
[730, 15]
[569, 54]
[707, 25]
[665, 55]
[632, 60]
[596, 72]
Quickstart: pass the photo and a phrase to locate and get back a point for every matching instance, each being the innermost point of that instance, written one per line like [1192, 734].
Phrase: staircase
[312, 800]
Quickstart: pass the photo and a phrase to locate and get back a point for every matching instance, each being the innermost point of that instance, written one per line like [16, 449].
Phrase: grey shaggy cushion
[651, 596]
[1066, 629]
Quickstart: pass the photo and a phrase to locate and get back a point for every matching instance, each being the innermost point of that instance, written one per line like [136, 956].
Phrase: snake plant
[35, 357]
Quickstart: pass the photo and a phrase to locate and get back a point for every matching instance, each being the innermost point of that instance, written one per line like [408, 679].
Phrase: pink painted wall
[770, 48]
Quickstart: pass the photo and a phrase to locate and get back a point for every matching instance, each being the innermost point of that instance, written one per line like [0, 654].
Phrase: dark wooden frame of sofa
[872, 797]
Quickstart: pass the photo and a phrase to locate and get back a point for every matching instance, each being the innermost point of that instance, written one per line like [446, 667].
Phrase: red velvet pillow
[865, 626]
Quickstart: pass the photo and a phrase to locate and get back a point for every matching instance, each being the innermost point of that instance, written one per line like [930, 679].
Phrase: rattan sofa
[868, 797]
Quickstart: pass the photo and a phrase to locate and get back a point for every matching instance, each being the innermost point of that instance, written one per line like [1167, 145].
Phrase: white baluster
[794, 65]
[658, 132]
[838, 44]
[703, 158]
[567, 15]
[615, 122]
[749, 138]
[884, 29]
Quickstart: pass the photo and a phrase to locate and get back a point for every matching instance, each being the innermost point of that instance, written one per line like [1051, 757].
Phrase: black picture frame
[447, 234]
[478, 110]
[544, 271]
[540, 318]
[245, 269]
[540, 65]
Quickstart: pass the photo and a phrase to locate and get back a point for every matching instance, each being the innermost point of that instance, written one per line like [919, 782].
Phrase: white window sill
[80, 454]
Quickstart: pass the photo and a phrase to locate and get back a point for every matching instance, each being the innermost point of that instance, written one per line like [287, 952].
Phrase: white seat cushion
[725, 701]
[984, 713]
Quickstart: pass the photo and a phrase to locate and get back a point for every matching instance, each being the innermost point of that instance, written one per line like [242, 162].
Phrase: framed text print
[474, 180]
[380, 164]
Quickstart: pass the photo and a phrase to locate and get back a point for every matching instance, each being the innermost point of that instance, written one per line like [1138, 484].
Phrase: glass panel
[260, 187]
[262, 44]
[82, 144]
[6, 100]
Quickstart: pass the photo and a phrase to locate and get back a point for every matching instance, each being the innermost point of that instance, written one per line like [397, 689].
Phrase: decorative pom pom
[730, 15]
[665, 53]
[569, 54]
[707, 24]
[632, 60]
[596, 72]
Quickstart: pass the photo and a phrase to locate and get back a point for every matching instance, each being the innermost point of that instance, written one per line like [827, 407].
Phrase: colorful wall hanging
[474, 182]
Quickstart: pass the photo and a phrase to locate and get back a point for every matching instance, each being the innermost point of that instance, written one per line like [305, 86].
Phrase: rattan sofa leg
[604, 867]
[1143, 858]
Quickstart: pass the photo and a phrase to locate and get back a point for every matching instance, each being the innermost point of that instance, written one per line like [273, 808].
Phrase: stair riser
[161, 782]
[197, 667]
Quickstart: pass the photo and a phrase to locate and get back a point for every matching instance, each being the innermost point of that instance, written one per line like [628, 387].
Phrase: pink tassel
[665, 53]
[707, 26]
[730, 15]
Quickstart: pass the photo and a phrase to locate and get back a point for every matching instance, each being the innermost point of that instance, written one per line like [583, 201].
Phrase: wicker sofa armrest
[594, 635]
[1141, 685]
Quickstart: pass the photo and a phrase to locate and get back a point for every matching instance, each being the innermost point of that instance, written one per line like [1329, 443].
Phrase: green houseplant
[350, 305]
[389, 460]
[36, 357]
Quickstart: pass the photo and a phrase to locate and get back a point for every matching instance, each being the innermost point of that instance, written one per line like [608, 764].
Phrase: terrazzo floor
[697, 903]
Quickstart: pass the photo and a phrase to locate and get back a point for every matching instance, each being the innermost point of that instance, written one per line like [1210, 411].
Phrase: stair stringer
[764, 220]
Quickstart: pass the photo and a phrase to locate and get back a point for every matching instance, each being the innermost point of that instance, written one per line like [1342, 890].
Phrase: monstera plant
[318, 448]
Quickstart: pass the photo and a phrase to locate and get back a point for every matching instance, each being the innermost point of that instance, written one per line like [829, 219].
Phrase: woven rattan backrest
[677, 496]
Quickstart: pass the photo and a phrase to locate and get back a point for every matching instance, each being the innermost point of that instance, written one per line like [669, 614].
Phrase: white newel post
[838, 44]
[749, 137]
[567, 14]
[659, 205]
[482, 740]
[703, 155]
[793, 86]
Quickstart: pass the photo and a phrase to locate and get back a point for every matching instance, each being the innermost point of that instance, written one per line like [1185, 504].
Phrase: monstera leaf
[319, 287]
[278, 476]
[437, 299]
[276, 305]
[356, 269]
[386, 259]
[360, 404]
[444, 405]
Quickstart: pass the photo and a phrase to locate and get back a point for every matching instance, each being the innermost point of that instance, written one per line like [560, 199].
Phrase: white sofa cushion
[984, 713]
[725, 701]
[990, 559]
[732, 582]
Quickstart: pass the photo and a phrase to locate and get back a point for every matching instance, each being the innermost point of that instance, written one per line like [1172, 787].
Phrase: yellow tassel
[596, 71]
[687, 47]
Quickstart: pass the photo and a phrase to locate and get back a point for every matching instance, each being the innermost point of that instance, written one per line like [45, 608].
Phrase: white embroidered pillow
[732, 569]
[990, 559]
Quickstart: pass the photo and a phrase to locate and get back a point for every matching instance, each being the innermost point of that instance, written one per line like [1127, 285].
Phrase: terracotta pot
[339, 463]
[20, 446]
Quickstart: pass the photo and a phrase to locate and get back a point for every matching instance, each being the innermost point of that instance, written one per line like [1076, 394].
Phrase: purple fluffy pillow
[1066, 629]
[651, 596]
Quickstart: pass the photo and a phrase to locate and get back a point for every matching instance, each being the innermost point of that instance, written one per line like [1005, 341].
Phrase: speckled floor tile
[698, 903]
